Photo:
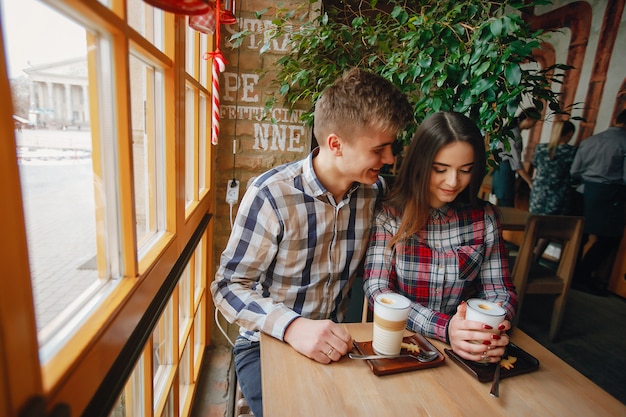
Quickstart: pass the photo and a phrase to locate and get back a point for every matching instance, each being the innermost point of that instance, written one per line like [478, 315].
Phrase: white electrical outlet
[232, 191]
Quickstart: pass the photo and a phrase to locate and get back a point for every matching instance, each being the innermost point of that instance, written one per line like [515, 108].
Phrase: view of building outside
[49, 86]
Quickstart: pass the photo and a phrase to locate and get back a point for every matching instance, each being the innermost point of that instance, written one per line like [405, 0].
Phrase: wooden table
[513, 218]
[294, 385]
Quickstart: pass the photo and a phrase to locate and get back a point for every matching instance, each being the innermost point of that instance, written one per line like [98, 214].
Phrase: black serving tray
[484, 373]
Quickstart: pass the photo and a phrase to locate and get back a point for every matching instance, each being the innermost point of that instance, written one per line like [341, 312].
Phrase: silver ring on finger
[330, 352]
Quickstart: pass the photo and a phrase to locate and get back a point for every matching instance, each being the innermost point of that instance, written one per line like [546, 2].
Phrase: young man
[302, 230]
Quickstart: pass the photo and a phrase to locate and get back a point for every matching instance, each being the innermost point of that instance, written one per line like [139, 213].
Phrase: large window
[67, 171]
[114, 167]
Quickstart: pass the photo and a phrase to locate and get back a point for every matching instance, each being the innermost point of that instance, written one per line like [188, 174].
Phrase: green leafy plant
[470, 56]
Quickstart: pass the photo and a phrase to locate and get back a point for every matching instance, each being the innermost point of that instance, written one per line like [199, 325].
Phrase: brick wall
[244, 87]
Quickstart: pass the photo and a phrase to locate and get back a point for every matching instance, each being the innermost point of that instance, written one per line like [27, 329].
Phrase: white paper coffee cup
[485, 312]
[390, 313]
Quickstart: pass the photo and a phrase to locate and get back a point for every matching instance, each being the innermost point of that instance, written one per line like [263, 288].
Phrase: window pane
[198, 276]
[162, 353]
[131, 401]
[198, 336]
[190, 155]
[147, 20]
[185, 380]
[204, 64]
[168, 411]
[191, 55]
[184, 304]
[61, 191]
[146, 82]
[202, 145]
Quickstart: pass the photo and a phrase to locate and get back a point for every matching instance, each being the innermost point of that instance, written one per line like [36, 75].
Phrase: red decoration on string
[187, 7]
[228, 14]
[204, 23]
[219, 65]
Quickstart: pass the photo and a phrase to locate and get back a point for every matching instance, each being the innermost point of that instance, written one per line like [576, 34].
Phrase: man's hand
[321, 340]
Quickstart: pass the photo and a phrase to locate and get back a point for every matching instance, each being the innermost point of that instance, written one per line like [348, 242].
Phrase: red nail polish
[495, 336]
[486, 342]
[501, 327]
[487, 327]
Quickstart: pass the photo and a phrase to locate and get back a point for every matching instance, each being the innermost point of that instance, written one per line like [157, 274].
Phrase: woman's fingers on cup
[477, 353]
[461, 310]
[504, 326]
[479, 336]
[470, 353]
[491, 355]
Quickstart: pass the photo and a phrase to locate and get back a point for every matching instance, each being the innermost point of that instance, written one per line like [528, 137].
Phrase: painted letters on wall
[279, 131]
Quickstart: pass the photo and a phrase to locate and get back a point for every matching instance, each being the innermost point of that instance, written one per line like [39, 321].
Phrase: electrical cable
[236, 113]
[219, 326]
[233, 181]
[236, 118]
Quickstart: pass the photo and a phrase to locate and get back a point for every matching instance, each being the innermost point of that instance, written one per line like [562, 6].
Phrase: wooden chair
[530, 276]
[366, 314]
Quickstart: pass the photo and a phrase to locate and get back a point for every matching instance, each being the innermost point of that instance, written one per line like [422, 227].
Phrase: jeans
[247, 356]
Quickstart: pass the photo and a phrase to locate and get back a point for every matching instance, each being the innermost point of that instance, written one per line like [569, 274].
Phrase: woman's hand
[477, 341]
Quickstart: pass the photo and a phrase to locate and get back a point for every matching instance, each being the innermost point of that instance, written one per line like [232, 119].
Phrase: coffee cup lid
[486, 307]
[393, 300]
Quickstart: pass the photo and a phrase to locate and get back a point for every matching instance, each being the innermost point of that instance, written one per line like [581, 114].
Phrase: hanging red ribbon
[219, 65]
[187, 7]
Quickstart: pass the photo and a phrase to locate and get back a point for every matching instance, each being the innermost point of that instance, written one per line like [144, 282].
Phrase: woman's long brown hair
[410, 195]
[559, 130]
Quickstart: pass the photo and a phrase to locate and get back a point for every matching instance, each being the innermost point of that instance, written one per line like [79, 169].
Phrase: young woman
[551, 192]
[434, 241]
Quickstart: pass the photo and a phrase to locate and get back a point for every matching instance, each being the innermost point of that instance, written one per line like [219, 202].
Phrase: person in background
[302, 229]
[435, 242]
[600, 165]
[503, 183]
[552, 161]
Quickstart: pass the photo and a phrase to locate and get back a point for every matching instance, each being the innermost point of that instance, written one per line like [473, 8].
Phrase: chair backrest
[565, 230]
[528, 275]
[366, 314]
